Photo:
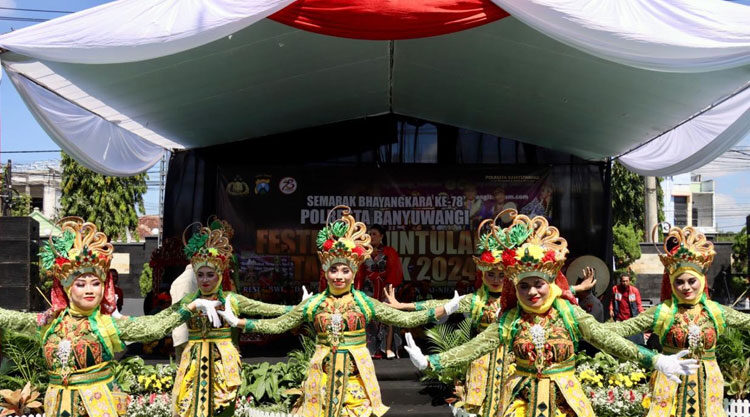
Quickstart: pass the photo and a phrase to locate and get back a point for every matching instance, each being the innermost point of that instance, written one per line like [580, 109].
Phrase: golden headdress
[80, 249]
[538, 249]
[343, 241]
[209, 246]
[686, 249]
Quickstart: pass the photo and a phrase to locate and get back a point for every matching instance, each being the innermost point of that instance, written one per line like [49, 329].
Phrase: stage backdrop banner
[429, 213]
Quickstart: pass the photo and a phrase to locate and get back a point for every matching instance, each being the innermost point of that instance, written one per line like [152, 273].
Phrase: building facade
[690, 201]
[42, 181]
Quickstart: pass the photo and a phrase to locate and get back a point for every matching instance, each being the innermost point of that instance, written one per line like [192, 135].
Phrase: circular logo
[288, 185]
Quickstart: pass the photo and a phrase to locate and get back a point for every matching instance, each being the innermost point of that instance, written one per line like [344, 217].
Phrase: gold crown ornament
[537, 248]
[80, 249]
[209, 246]
[343, 241]
[685, 249]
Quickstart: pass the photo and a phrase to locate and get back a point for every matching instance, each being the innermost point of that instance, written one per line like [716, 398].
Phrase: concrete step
[419, 411]
[396, 370]
[403, 392]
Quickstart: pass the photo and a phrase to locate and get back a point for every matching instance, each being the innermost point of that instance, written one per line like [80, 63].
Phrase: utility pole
[162, 190]
[650, 215]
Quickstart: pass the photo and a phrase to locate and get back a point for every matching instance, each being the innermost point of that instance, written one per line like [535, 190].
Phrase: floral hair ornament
[80, 250]
[685, 251]
[493, 243]
[538, 249]
[343, 241]
[209, 246]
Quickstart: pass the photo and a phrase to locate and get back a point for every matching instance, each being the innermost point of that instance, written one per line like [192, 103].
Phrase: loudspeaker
[19, 270]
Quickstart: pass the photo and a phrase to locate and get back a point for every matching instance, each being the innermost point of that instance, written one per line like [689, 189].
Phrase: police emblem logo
[262, 184]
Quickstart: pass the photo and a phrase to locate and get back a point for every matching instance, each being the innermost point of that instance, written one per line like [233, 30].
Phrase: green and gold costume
[341, 380]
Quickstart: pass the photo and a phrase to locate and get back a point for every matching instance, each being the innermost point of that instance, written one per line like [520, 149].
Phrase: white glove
[228, 314]
[672, 365]
[452, 305]
[305, 294]
[208, 307]
[415, 353]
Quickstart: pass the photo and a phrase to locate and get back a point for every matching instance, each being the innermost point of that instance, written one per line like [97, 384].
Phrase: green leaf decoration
[196, 243]
[339, 229]
[516, 236]
[323, 236]
[683, 251]
[61, 244]
[488, 243]
[216, 225]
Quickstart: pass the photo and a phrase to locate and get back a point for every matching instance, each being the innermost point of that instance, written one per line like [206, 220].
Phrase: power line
[49, 151]
[23, 19]
[35, 10]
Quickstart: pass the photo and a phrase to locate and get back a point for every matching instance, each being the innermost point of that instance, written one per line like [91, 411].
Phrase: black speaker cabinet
[19, 270]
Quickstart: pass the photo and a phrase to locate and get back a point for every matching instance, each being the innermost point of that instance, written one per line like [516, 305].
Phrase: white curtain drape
[137, 30]
[96, 143]
[694, 143]
[661, 35]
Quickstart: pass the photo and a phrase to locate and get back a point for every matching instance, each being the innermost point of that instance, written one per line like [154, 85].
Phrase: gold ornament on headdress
[541, 253]
[86, 251]
[685, 248]
[343, 241]
[208, 247]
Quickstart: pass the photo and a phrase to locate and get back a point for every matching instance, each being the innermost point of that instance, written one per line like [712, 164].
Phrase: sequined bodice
[342, 308]
[72, 343]
[547, 329]
[693, 319]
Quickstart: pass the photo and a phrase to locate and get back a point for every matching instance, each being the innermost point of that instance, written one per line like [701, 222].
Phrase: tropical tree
[112, 203]
[628, 198]
[625, 247]
[739, 252]
[21, 205]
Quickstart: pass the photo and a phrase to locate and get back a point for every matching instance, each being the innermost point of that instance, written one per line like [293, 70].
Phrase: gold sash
[91, 384]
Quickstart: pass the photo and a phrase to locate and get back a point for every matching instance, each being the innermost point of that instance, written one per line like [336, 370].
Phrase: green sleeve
[603, 339]
[428, 304]
[280, 324]
[464, 306]
[19, 322]
[484, 343]
[736, 319]
[407, 319]
[157, 326]
[638, 324]
[250, 307]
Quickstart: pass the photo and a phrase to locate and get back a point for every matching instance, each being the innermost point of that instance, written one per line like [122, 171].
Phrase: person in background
[382, 269]
[118, 291]
[586, 299]
[626, 302]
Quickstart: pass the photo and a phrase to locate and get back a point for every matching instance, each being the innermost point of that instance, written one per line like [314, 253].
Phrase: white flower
[538, 336]
[694, 336]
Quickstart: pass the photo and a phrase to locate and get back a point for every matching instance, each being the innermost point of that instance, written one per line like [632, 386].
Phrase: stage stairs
[400, 388]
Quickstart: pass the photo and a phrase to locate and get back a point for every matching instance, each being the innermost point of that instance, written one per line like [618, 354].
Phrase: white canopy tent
[662, 83]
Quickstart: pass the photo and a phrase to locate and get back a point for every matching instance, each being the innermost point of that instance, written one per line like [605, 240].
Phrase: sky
[20, 132]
